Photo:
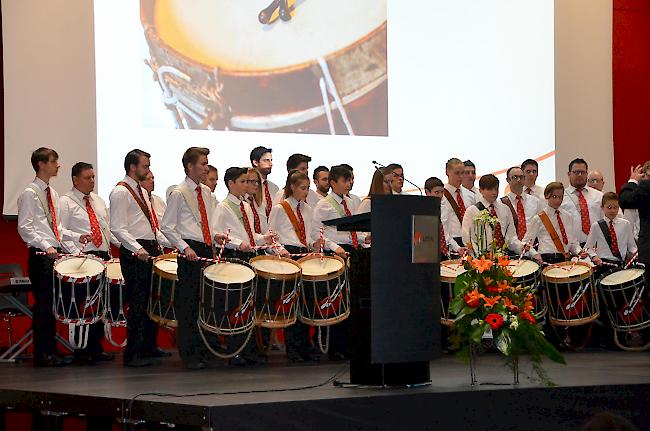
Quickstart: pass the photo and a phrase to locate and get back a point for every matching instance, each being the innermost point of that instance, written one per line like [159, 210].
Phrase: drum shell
[562, 293]
[317, 292]
[86, 291]
[617, 297]
[271, 311]
[162, 293]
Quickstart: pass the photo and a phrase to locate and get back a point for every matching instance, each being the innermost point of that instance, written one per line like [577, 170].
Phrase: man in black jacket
[635, 194]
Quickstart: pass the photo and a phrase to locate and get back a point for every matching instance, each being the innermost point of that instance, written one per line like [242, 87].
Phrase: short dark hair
[348, 167]
[394, 166]
[192, 155]
[79, 167]
[296, 159]
[510, 170]
[555, 185]
[133, 158]
[488, 182]
[578, 161]
[42, 154]
[529, 162]
[232, 174]
[212, 169]
[257, 153]
[609, 196]
[337, 172]
[318, 170]
[432, 182]
[469, 163]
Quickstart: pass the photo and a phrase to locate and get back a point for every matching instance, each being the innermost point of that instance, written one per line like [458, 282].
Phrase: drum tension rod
[285, 14]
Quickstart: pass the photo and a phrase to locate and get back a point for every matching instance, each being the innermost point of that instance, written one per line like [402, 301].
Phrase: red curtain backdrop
[631, 85]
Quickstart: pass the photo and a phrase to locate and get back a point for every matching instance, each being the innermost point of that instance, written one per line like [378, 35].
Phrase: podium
[395, 291]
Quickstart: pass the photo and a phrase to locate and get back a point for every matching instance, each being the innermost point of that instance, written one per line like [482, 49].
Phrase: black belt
[294, 249]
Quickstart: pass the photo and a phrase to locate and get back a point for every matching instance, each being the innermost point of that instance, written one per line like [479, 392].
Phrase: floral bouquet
[487, 299]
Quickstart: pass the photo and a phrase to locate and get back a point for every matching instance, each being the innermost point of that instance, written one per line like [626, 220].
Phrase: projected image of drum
[163, 291]
[297, 66]
[276, 303]
[325, 298]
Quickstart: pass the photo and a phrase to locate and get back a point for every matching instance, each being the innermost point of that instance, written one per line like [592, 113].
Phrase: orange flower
[481, 265]
[504, 261]
[509, 305]
[472, 299]
[528, 306]
[527, 316]
[500, 287]
[490, 301]
[488, 281]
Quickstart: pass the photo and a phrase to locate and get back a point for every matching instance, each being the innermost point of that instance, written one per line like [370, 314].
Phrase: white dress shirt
[446, 213]
[571, 205]
[226, 219]
[506, 223]
[280, 224]
[325, 211]
[597, 244]
[180, 223]
[75, 218]
[537, 191]
[312, 197]
[365, 206]
[261, 211]
[632, 215]
[128, 222]
[473, 190]
[33, 225]
[452, 225]
[158, 204]
[532, 205]
[273, 191]
[536, 229]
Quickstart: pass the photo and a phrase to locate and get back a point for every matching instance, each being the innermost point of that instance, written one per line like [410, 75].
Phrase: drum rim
[571, 278]
[73, 279]
[161, 272]
[615, 270]
[114, 261]
[446, 279]
[525, 259]
[326, 276]
[275, 276]
[229, 260]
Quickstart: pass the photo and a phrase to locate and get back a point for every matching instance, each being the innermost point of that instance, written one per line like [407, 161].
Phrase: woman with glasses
[254, 198]
[380, 185]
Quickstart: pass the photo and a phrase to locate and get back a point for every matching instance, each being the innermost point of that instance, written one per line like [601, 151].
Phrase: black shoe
[158, 353]
[255, 361]
[309, 357]
[102, 357]
[50, 361]
[238, 361]
[295, 358]
[82, 360]
[139, 361]
[337, 356]
[193, 365]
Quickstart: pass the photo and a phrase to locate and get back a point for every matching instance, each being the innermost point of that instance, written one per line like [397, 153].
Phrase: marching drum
[115, 315]
[527, 274]
[163, 289]
[277, 283]
[226, 305]
[219, 67]
[625, 295]
[78, 295]
[572, 298]
[325, 298]
[449, 270]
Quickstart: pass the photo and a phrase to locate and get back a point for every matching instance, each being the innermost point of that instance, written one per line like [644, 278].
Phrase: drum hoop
[79, 280]
[615, 270]
[162, 273]
[228, 260]
[150, 30]
[446, 279]
[275, 276]
[523, 259]
[570, 279]
[323, 277]
[119, 281]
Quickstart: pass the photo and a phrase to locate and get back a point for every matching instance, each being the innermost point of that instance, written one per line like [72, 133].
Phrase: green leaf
[456, 305]
[477, 333]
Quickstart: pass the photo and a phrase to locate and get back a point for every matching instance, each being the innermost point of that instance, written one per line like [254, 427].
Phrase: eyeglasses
[595, 180]
[252, 181]
[579, 172]
[516, 177]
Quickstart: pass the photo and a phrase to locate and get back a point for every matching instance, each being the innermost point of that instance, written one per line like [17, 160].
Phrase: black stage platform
[270, 397]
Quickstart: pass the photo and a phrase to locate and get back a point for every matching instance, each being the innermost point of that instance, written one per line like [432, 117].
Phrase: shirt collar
[190, 183]
[608, 220]
[292, 201]
[336, 197]
[451, 188]
[486, 203]
[550, 210]
[514, 196]
[78, 193]
[42, 184]
[233, 198]
[130, 181]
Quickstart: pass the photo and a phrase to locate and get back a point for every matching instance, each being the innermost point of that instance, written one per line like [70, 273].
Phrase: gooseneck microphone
[379, 165]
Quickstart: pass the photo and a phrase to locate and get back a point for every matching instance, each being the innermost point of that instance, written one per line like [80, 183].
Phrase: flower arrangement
[487, 300]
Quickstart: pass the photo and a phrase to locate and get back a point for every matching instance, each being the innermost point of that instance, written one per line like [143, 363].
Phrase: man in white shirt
[356, 200]
[503, 234]
[320, 177]
[581, 202]
[434, 187]
[469, 177]
[211, 181]
[189, 226]
[298, 162]
[456, 200]
[595, 180]
[522, 205]
[530, 168]
[157, 203]
[40, 228]
[132, 224]
[84, 213]
[262, 160]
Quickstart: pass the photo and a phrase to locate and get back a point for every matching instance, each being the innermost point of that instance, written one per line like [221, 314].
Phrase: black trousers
[141, 331]
[340, 332]
[553, 257]
[296, 336]
[188, 340]
[41, 273]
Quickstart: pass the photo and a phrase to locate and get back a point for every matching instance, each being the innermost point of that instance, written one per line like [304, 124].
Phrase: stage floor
[302, 396]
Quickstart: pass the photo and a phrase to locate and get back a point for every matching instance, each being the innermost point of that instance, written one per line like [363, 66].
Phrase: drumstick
[265, 15]
[223, 245]
[521, 255]
[634, 257]
[320, 236]
[80, 252]
[285, 15]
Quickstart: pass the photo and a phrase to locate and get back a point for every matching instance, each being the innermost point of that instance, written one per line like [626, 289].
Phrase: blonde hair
[258, 194]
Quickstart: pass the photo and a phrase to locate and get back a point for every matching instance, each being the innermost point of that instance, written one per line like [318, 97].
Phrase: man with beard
[321, 182]
[581, 202]
[522, 205]
[262, 160]
[531, 171]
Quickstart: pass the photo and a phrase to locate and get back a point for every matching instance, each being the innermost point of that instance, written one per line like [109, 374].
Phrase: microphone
[379, 165]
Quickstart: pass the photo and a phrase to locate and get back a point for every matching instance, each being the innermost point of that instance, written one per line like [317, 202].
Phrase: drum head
[622, 276]
[228, 273]
[227, 34]
[166, 265]
[523, 268]
[315, 267]
[274, 265]
[114, 270]
[450, 269]
[79, 266]
[566, 270]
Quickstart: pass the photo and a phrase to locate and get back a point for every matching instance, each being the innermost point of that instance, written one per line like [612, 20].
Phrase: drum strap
[106, 231]
[235, 209]
[43, 201]
[480, 206]
[602, 224]
[141, 204]
[506, 201]
[294, 222]
[337, 206]
[191, 201]
[551, 231]
[454, 205]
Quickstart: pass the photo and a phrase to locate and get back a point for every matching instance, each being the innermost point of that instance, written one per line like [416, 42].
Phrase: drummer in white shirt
[530, 168]
[356, 200]
[321, 173]
[256, 201]
[262, 160]
[456, 200]
[583, 203]
[434, 187]
[211, 181]
[522, 205]
[298, 162]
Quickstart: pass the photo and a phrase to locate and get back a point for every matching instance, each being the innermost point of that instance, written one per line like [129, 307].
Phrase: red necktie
[256, 216]
[95, 231]
[562, 230]
[460, 202]
[267, 197]
[353, 234]
[247, 224]
[443, 242]
[154, 221]
[615, 251]
[50, 203]
[205, 228]
[498, 235]
[302, 235]
[521, 219]
[584, 212]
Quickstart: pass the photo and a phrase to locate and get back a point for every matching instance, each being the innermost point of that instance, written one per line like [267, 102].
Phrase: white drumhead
[316, 266]
[275, 266]
[228, 272]
[451, 269]
[114, 270]
[78, 267]
[227, 33]
[565, 271]
[622, 276]
[168, 265]
[523, 268]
